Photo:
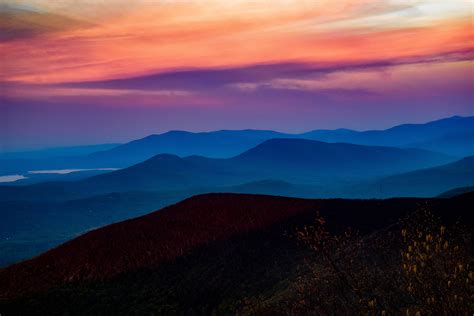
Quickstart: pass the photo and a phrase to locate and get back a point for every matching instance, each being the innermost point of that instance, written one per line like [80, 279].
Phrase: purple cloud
[204, 79]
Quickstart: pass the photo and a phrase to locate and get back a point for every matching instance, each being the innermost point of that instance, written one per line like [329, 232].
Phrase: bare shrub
[415, 267]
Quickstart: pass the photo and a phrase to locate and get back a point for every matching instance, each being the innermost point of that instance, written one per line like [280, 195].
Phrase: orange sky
[68, 41]
[91, 71]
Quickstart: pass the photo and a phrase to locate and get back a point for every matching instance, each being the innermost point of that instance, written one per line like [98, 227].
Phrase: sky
[97, 71]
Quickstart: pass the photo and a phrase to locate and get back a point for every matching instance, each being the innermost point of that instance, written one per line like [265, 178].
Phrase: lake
[11, 178]
[16, 177]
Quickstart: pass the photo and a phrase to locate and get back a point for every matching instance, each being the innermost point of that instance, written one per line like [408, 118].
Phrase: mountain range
[452, 136]
[293, 160]
[36, 217]
[429, 181]
[39, 216]
[408, 135]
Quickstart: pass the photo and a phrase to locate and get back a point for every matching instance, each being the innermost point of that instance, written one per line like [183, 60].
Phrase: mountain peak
[162, 157]
[177, 133]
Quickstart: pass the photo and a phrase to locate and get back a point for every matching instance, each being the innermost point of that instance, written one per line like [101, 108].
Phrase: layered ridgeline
[452, 136]
[429, 181]
[38, 217]
[29, 227]
[292, 160]
[207, 254]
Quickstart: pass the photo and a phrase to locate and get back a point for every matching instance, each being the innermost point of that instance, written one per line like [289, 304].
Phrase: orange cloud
[127, 38]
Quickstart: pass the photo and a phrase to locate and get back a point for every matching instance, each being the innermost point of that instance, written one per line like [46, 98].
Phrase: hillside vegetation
[232, 253]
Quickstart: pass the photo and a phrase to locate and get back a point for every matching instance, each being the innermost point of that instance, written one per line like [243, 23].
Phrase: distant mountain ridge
[457, 143]
[217, 144]
[293, 160]
[228, 143]
[452, 136]
[401, 135]
[429, 181]
[321, 160]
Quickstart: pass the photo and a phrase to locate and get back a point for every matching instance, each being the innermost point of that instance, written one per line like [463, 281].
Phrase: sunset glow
[235, 60]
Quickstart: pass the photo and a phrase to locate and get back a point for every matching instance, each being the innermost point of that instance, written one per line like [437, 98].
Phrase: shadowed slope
[148, 240]
[172, 232]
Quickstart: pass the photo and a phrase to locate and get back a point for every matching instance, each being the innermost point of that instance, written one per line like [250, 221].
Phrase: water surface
[66, 171]
[11, 178]
[16, 177]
